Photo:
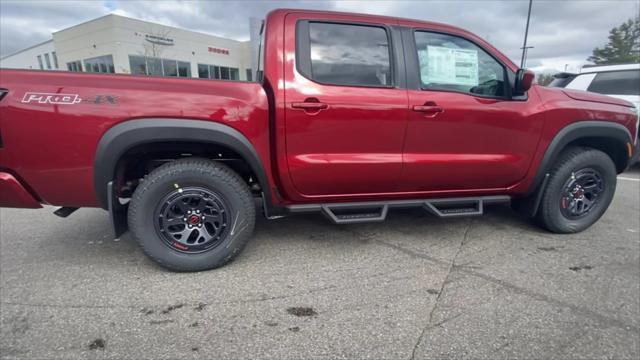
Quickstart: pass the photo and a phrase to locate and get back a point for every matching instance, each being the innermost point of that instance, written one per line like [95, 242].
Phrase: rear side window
[625, 82]
[345, 54]
[452, 63]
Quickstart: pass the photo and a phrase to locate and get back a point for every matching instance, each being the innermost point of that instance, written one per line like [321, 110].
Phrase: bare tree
[154, 43]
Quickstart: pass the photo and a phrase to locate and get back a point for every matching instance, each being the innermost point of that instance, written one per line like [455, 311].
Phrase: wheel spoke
[192, 217]
[581, 192]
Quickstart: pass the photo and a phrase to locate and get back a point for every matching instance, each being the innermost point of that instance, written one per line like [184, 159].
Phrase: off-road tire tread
[206, 168]
[546, 217]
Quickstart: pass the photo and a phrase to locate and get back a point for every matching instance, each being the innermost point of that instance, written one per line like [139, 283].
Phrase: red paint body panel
[367, 144]
[488, 140]
[13, 194]
[52, 147]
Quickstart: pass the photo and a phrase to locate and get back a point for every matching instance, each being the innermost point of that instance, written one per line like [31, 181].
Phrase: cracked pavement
[415, 286]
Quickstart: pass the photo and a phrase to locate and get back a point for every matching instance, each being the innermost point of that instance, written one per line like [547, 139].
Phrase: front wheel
[192, 215]
[581, 186]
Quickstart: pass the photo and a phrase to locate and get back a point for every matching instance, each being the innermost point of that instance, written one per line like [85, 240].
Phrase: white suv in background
[620, 81]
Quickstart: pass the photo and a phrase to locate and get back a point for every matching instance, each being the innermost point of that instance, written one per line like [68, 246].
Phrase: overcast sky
[562, 32]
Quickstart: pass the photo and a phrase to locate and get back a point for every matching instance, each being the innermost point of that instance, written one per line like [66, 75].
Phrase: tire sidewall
[593, 159]
[148, 196]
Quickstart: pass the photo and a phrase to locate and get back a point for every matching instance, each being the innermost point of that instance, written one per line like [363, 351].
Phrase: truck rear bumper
[13, 194]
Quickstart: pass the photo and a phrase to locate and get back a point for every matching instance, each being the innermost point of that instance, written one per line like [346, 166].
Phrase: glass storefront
[218, 72]
[100, 64]
[141, 65]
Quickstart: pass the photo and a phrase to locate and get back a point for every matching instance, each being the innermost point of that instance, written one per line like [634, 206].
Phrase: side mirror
[524, 80]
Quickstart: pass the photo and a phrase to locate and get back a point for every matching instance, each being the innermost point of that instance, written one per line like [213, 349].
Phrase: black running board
[361, 212]
[63, 212]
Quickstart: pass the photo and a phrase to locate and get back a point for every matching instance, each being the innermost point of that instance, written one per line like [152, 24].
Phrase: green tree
[623, 46]
[544, 79]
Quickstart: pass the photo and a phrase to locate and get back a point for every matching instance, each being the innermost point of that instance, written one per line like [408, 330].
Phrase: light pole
[526, 33]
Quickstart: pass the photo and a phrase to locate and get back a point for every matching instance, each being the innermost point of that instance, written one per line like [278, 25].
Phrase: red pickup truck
[355, 114]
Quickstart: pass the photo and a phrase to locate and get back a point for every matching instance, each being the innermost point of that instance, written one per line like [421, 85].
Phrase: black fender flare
[129, 134]
[571, 132]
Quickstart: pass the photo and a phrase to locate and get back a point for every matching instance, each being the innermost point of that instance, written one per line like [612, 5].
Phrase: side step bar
[361, 212]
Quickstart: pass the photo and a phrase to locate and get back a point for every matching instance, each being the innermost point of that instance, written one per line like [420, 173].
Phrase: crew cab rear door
[465, 130]
[346, 104]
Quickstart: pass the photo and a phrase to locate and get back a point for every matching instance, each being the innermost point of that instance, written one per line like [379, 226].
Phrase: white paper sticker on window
[442, 65]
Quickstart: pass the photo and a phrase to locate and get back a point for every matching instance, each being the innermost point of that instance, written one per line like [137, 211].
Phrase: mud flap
[117, 213]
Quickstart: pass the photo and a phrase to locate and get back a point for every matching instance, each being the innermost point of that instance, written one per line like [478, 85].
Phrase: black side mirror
[524, 80]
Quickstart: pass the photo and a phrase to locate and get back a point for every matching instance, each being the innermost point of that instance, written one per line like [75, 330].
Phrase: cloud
[562, 32]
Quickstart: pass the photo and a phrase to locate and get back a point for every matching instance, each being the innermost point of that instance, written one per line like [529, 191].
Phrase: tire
[159, 222]
[575, 167]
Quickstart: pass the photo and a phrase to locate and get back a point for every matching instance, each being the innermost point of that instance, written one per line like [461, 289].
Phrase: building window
[75, 66]
[184, 69]
[47, 61]
[203, 71]
[218, 72]
[138, 65]
[141, 65]
[100, 64]
[170, 67]
[40, 62]
[249, 75]
[55, 59]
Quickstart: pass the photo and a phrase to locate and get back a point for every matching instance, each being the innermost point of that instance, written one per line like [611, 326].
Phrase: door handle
[309, 105]
[429, 109]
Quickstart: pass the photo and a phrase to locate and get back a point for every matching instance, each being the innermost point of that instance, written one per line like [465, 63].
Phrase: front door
[464, 131]
[345, 112]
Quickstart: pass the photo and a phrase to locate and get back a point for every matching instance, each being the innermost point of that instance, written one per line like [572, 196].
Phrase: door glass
[451, 63]
[344, 54]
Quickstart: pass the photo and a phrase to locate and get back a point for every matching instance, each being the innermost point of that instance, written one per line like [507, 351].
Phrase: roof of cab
[377, 18]
[431, 25]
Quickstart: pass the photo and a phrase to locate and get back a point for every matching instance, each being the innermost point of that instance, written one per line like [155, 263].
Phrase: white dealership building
[122, 45]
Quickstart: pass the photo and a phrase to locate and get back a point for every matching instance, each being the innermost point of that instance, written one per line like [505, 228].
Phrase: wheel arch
[606, 136]
[609, 137]
[118, 140]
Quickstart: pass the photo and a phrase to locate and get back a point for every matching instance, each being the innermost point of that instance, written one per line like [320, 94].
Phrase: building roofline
[23, 50]
[85, 22]
[147, 22]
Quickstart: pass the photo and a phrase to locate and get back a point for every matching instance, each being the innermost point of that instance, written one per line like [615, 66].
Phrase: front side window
[451, 63]
[626, 82]
[344, 54]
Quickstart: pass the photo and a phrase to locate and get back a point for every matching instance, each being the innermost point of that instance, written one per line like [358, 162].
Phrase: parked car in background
[620, 81]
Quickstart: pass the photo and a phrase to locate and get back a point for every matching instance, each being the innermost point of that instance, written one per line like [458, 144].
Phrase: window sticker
[444, 65]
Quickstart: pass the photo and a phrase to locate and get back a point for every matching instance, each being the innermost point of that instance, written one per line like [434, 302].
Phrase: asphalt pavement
[415, 286]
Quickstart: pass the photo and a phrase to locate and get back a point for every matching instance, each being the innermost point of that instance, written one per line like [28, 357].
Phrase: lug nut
[197, 211]
[188, 211]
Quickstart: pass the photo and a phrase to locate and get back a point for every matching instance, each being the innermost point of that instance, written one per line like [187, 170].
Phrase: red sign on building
[219, 50]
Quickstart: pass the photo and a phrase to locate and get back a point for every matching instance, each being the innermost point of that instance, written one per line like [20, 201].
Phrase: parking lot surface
[414, 286]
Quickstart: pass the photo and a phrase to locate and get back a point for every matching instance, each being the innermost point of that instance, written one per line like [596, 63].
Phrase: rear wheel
[581, 186]
[192, 214]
